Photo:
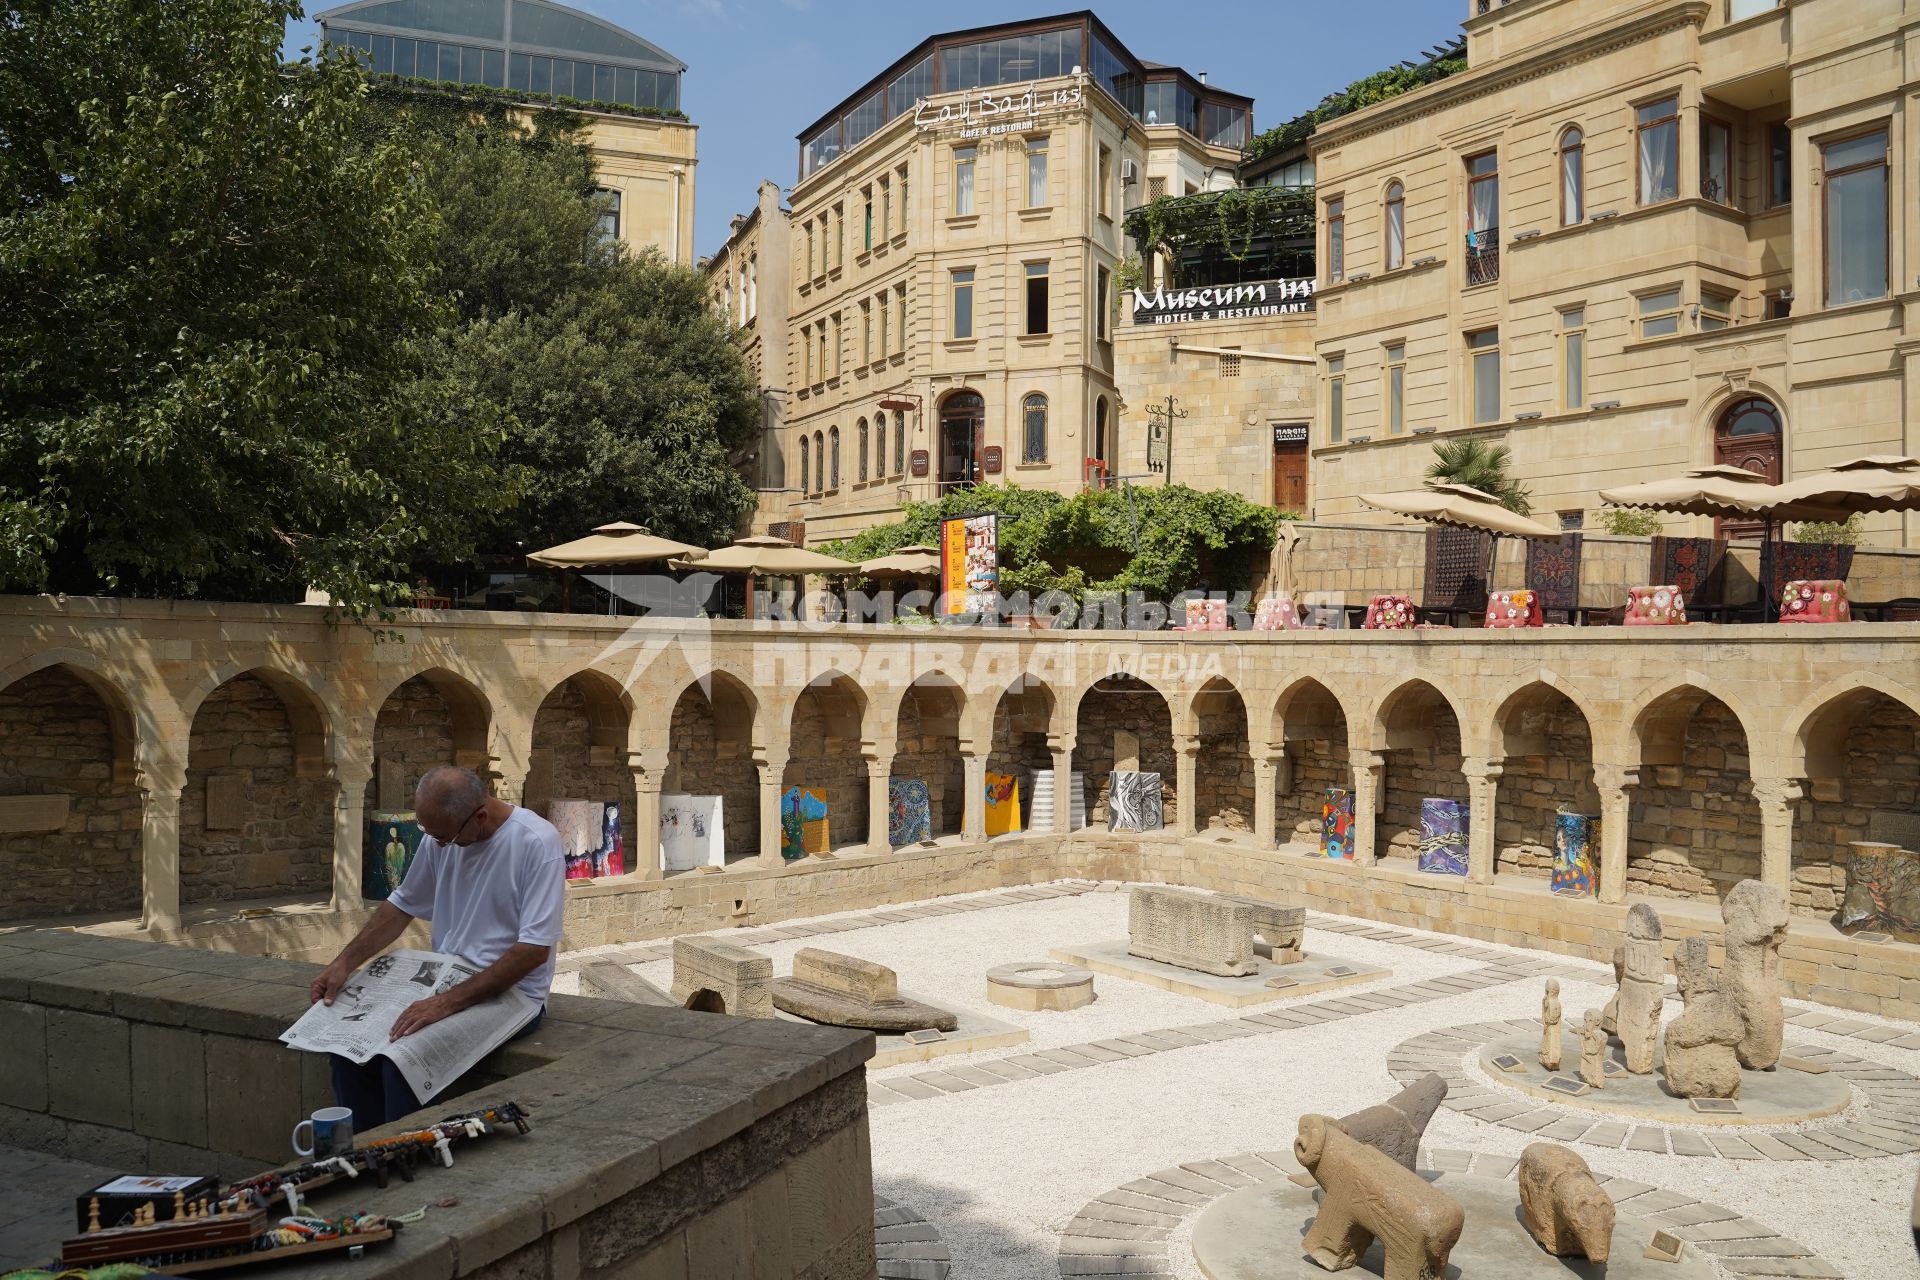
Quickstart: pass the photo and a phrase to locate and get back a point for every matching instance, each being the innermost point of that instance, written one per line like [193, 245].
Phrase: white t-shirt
[481, 899]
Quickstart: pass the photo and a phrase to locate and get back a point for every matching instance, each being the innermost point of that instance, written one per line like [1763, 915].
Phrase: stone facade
[1223, 773]
[1877, 745]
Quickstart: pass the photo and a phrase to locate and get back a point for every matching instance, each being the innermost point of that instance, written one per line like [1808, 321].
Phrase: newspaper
[359, 1023]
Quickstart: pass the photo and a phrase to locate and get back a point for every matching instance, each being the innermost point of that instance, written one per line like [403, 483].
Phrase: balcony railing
[1483, 256]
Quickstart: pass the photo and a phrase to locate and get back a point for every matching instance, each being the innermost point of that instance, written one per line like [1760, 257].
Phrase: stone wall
[1413, 774]
[1318, 765]
[1534, 788]
[1881, 780]
[1223, 774]
[565, 761]
[830, 762]
[249, 826]
[1133, 708]
[1696, 827]
[415, 732]
[928, 748]
[56, 739]
[705, 762]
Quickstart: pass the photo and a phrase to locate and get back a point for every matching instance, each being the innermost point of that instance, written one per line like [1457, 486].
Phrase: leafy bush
[1482, 466]
[1629, 523]
[1365, 92]
[1833, 533]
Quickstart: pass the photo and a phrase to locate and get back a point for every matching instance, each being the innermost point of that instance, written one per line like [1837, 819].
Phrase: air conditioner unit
[1129, 172]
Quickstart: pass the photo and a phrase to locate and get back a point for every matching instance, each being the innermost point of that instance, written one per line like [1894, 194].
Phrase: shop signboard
[970, 564]
[1224, 301]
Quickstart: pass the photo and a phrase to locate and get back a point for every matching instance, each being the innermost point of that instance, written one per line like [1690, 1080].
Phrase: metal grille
[1229, 365]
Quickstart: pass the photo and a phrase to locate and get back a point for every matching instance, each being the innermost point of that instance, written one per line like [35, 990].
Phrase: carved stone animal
[1701, 1061]
[1563, 1207]
[1754, 924]
[1368, 1197]
[1397, 1125]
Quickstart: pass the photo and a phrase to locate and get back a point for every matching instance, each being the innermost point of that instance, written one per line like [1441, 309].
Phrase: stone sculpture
[1192, 930]
[1282, 928]
[1397, 1125]
[1563, 1207]
[1550, 1026]
[1643, 987]
[1369, 1197]
[1754, 924]
[1700, 1058]
[718, 977]
[1609, 1016]
[845, 991]
[1593, 1051]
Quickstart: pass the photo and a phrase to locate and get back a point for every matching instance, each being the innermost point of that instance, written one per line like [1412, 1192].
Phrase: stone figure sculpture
[1593, 1051]
[1397, 1125]
[1643, 987]
[1754, 924]
[1700, 1060]
[1550, 1026]
[1369, 1197]
[1563, 1207]
[1610, 1016]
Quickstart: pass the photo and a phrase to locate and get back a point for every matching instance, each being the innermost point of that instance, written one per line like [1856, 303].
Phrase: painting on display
[392, 840]
[1443, 837]
[590, 837]
[909, 812]
[1574, 837]
[803, 823]
[1135, 802]
[1336, 824]
[692, 832]
[1003, 804]
[1040, 802]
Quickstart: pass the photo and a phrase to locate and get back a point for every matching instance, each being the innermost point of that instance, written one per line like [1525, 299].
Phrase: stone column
[1368, 768]
[1061, 747]
[1778, 799]
[649, 781]
[1267, 767]
[1483, 796]
[349, 832]
[1186, 809]
[160, 788]
[772, 772]
[511, 787]
[973, 815]
[879, 803]
[1615, 784]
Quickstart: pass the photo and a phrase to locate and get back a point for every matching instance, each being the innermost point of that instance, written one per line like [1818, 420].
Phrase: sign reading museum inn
[1224, 301]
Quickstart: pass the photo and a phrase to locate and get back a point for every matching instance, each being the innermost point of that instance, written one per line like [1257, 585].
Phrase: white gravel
[1001, 1170]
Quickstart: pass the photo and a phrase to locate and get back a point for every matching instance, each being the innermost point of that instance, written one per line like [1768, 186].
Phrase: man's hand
[328, 984]
[422, 1013]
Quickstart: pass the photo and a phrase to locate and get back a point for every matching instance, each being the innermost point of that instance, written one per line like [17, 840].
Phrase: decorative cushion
[1656, 607]
[1824, 601]
[1514, 609]
[1206, 615]
[1276, 613]
[1390, 613]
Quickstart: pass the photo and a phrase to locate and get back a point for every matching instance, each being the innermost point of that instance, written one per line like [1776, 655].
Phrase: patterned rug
[1553, 571]
[1456, 569]
[1695, 565]
[1809, 562]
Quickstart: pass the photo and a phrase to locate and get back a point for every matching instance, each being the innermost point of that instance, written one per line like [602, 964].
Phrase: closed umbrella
[617, 543]
[916, 561]
[767, 556]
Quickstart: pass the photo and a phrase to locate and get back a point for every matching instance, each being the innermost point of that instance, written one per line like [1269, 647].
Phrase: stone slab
[1114, 960]
[973, 1033]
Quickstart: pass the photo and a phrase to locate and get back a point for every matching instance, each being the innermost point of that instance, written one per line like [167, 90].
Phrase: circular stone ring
[1039, 984]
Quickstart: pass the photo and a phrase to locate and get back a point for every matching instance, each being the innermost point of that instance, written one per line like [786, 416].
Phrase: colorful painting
[584, 827]
[392, 840]
[1443, 837]
[611, 857]
[909, 812]
[1003, 804]
[692, 832]
[1135, 802]
[803, 823]
[1575, 837]
[1336, 825]
[1883, 891]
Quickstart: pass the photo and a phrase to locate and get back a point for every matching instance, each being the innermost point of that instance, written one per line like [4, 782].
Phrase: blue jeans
[377, 1093]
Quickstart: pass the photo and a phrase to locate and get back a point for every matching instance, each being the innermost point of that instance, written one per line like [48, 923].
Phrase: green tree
[212, 379]
[1482, 466]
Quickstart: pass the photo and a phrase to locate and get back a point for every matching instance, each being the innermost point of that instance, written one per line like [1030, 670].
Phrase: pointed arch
[129, 722]
[1820, 724]
[1657, 717]
[306, 708]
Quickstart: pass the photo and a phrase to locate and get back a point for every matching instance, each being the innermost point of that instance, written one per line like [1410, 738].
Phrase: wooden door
[1290, 468]
[1747, 435]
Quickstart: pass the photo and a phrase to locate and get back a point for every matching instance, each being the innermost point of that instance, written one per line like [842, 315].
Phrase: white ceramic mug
[329, 1133]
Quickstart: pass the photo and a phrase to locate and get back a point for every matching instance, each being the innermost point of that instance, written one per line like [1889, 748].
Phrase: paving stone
[1567, 1129]
[1130, 1215]
[1100, 1229]
[1765, 1244]
[1846, 1027]
[1450, 1161]
[1732, 1148]
[974, 1075]
[1722, 1229]
[1780, 1267]
[1774, 1149]
[1035, 1063]
[1693, 1215]
[1622, 1189]
[905, 1233]
[1186, 1179]
[1687, 1143]
[1808, 1145]
[1532, 1121]
[999, 1067]
[1169, 1191]
[1647, 1138]
[943, 1082]
[1123, 1048]
[1494, 1113]
[1224, 1174]
[912, 1087]
[1872, 1142]
[1079, 1055]
[1076, 1265]
[1128, 1198]
[1491, 1166]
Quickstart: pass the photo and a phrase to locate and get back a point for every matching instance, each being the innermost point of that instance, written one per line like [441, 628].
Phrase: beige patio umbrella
[768, 556]
[616, 543]
[916, 561]
[1879, 482]
[1464, 507]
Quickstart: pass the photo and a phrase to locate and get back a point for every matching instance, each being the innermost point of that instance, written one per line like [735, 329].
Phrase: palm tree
[1482, 466]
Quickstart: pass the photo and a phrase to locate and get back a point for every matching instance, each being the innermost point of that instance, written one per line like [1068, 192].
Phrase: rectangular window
[1739, 9]
[1036, 173]
[1336, 399]
[1716, 161]
[1573, 357]
[1396, 227]
[1659, 313]
[1336, 240]
[810, 249]
[880, 444]
[1856, 217]
[1230, 364]
[1104, 181]
[838, 346]
[866, 333]
[900, 319]
[963, 181]
[899, 442]
[1102, 282]
[1779, 166]
[1036, 297]
[1716, 310]
[610, 215]
[1658, 173]
[806, 355]
[880, 306]
[1483, 218]
[903, 199]
[839, 236]
[866, 219]
[1484, 350]
[886, 208]
[1395, 391]
[963, 304]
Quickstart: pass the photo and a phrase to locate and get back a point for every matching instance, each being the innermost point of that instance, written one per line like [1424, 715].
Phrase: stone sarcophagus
[718, 977]
[1281, 928]
[1193, 931]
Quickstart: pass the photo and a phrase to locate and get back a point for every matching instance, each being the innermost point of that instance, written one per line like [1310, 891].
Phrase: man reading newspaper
[491, 878]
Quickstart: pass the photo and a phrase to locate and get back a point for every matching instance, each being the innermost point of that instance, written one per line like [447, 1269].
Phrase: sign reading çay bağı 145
[983, 115]
[1224, 301]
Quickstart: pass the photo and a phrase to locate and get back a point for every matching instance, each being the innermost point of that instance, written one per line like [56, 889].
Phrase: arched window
[1100, 429]
[819, 462]
[863, 451]
[1396, 226]
[833, 465]
[805, 474]
[1573, 176]
[1033, 412]
[900, 429]
[880, 446]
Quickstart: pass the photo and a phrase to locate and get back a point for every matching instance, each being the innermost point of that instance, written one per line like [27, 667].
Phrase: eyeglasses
[457, 831]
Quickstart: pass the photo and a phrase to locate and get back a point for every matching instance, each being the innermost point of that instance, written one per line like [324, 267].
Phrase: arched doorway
[963, 421]
[1747, 434]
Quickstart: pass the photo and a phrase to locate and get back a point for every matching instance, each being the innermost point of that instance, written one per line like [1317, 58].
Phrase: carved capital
[1778, 793]
[1615, 778]
[1366, 762]
[1482, 770]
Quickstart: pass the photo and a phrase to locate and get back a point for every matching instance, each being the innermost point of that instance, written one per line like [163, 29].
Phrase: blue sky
[760, 70]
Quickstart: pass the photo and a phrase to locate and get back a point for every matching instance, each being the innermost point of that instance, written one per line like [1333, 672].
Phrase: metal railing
[1483, 256]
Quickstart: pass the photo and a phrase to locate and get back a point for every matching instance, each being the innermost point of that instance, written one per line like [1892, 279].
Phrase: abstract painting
[1040, 803]
[1003, 804]
[1135, 801]
[1574, 838]
[392, 840]
[803, 823]
[1077, 802]
[692, 832]
[611, 858]
[1336, 825]
[909, 812]
[1443, 837]
[582, 825]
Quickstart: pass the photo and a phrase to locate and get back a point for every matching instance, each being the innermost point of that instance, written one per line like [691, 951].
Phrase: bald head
[448, 794]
